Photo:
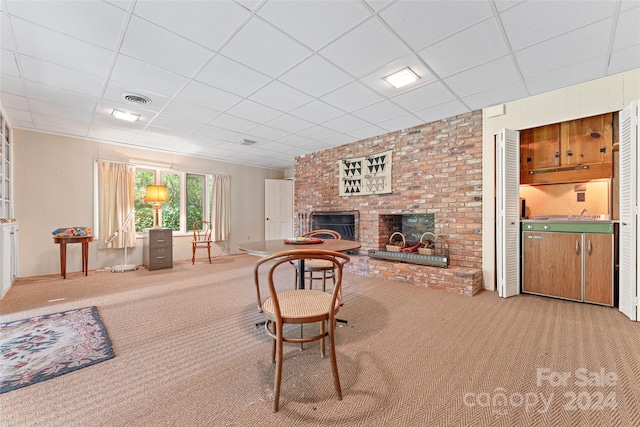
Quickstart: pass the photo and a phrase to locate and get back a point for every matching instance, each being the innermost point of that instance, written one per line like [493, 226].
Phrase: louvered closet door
[507, 213]
[628, 260]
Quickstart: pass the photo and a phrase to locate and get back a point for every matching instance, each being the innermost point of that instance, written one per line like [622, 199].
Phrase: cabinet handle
[577, 247]
[557, 154]
[569, 153]
[589, 246]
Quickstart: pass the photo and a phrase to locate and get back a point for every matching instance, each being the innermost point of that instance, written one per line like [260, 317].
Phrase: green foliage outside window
[195, 199]
[171, 209]
[144, 211]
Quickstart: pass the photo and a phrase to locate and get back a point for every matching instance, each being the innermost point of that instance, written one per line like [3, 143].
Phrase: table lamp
[156, 194]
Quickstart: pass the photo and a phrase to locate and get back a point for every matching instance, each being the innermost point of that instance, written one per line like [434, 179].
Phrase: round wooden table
[268, 247]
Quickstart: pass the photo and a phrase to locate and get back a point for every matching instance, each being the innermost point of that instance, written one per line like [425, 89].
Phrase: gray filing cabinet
[158, 249]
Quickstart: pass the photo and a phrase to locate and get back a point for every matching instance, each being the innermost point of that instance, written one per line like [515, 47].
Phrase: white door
[507, 214]
[628, 234]
[278, 206]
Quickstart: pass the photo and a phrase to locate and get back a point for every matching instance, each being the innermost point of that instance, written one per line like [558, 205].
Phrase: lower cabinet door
[552, 264]
[598, 268]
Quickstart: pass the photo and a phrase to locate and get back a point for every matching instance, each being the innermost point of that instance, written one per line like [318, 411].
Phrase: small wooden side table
[63, 241]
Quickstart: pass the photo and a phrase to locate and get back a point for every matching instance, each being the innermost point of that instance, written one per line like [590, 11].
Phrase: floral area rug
[44, 347]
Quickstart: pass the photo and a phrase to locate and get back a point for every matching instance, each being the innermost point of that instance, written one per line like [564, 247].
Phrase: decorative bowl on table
[302, 240]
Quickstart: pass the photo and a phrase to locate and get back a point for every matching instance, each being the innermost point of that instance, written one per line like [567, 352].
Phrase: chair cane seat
[300, 304]
[318, 265]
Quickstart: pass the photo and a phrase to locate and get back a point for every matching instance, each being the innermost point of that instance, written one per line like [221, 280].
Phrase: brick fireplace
[436, 171]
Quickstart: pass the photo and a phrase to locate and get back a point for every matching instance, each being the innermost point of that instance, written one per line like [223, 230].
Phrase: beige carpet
[187, 354]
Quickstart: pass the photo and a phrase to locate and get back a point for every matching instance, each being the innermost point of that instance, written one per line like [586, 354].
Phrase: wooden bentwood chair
[201, 239]
[299, 306]
[325, 268]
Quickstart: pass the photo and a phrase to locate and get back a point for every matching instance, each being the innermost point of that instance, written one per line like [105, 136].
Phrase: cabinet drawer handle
[161, 257]
[589, 246]
[577, 247]
[160, 241]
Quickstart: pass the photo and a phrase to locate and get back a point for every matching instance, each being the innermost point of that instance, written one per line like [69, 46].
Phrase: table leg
[85, 258]
[300, 274]
[63, 258]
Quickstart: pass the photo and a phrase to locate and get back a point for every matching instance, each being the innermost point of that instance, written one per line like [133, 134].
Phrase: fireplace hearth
[344, 222]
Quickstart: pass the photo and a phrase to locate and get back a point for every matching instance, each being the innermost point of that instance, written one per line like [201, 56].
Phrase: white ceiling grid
[294, 76]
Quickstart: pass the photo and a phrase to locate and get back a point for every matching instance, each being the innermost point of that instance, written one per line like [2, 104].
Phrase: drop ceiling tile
[425, 96]
[624, 60]
[442, 111]
[61, 77]
[481, 43]
[498, 95]
[11, 84]
[316, 112]
[378, 4]
[316, 76]
[334, 141]
[261, 47]
[208, 23]
[288, 123]
[216, 132]
[186, 110]
[562, 51]
[56, 110]
[154, 45]
[314, 23]
[19, 115]
[56, 48]
[110, 133]
[375, 80]
[95, 22]
[317, 133]
[399, 123]
[483, 77]
[225, 74]
[14, 102]
[528, 23]
[253, 111]
[383, 110]
[352, 97]
[345, 123]
[69, 129]
[8, 64]
[60, 96]
[296, 140]
[280, 96]
[278, 147]
[232, 123]
[6, 33]
[174, 123]
[138, 75]
[367, 132]
[207, 96]
[19, 124]
[421, 23]
[47, 122]
[365, 49]
[561, 77]
[266, 133]
[627, 32]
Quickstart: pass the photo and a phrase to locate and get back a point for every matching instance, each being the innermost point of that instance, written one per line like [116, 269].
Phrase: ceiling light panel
[402, 78]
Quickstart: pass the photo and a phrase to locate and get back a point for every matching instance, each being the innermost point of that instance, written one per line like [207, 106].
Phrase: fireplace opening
[344, 222]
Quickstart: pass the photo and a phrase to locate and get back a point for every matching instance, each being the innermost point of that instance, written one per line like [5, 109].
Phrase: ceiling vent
[136, 99]
[247, 142]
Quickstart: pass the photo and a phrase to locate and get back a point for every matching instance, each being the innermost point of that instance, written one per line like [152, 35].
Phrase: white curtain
[221, 208]
[116, 198]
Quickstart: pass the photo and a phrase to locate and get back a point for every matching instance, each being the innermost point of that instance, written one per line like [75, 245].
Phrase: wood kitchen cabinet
[598, 268]
[572, 265]
[569, 151]
[552, 265]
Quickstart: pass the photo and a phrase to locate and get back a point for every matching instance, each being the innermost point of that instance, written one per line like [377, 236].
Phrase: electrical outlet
[581, 197]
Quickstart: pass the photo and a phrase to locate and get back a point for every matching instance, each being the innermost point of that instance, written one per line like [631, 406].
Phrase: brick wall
[437, 168]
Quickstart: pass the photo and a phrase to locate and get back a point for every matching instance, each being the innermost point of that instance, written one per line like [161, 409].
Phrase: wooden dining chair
[201, 239]
[324, 269]
[299, 306]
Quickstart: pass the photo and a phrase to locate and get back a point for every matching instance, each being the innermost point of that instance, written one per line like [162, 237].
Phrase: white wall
[587, 99]
[54, 188]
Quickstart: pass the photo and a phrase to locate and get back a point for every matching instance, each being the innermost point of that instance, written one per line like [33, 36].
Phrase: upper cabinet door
[542, 147]
[588, 140]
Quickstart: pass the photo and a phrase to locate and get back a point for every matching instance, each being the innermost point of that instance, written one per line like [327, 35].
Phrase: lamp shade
[156, 194]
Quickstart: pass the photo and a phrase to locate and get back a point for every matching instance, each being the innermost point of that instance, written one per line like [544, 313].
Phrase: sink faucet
[583, 211]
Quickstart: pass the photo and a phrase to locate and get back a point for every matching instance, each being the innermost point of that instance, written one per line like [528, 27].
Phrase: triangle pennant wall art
[365, 175]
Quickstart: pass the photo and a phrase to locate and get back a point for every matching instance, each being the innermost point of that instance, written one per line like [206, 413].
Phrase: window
[180, 212]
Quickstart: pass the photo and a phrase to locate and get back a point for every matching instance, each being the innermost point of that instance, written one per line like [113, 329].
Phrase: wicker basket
[427, 249]
[392, 247]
